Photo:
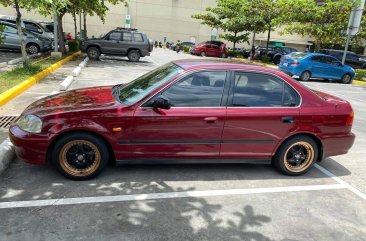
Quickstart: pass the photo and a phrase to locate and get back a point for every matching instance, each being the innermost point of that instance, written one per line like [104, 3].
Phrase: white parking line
[166, 195]
[341, 182]
[153, 61]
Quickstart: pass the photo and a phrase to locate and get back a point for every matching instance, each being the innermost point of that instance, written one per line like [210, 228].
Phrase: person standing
[177, 46]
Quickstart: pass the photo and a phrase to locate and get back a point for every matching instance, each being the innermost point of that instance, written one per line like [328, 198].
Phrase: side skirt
[190, 161]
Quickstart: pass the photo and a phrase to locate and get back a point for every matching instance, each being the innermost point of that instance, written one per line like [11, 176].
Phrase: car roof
[194, 64]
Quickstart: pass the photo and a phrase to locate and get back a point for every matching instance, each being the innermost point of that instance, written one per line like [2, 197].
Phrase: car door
[335, 68]
[191, 128]
[209, 50]
[353, 60]
[11, 38]
[262, 110]
[126, 42]
[216, 51]
[110, 44]
[318, 67]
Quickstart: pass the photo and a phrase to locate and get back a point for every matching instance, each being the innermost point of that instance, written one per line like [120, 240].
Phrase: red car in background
[210, 49]
[186, 112]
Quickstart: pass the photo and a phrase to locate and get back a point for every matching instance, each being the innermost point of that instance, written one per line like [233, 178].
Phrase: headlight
[30, 123]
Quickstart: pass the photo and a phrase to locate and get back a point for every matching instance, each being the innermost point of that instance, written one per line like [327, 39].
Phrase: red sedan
[210, 49]
[186, 112]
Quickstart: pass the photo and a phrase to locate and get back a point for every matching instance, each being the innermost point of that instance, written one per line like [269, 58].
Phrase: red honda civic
[186, 112]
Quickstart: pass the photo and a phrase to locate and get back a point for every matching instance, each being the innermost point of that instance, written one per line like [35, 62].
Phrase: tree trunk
[20, 33]
[85, 33]
[235, 33]
[268, 38]
[61, 36]
[75, 26]
[251, 52]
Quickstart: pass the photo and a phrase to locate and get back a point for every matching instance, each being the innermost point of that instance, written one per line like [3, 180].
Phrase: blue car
[314, 65]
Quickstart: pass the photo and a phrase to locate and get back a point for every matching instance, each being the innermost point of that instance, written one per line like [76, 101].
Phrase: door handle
[288, 119]
[211, 119]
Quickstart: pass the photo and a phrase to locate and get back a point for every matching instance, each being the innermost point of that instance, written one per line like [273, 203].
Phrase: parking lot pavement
[6, 55]
[189, 202]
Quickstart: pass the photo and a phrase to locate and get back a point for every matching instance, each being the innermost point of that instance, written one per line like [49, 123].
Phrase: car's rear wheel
[133, 56]
[80, 156]
[93, 53]
[203, 54]
[346, 79]
[33, 48]
[223, 56]
[305, 76]
[296, 156]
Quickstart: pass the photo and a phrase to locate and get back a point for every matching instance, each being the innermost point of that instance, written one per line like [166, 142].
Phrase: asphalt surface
[187, 202]
[7, 55]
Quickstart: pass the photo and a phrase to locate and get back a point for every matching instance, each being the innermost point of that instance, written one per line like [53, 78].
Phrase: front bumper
[31, 148]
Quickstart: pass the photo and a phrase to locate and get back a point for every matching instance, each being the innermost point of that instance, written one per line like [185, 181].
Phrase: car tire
[133, 56]
[223, 56]
[33, 48]
[305, 76]
[203, 54]
[346, 79]
[80, 156]
[277, 60]
[296, 156]
[93, 53]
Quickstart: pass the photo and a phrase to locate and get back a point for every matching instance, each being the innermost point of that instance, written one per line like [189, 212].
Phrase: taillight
[294, 63]
[350, 118]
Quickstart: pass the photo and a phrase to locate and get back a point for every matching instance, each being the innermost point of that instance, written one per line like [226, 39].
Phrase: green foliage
[265, 59]
[228, 16]
[325, 23]
[186, 49]
[234, 53]
[73, 45]
[360, 74]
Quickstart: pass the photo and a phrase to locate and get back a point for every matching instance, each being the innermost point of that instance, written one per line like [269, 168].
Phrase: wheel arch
[94, 45]
[112, 157]
[316, 139]
[130, 49]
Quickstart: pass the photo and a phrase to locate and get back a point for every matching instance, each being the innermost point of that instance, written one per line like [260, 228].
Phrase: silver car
[34, 43]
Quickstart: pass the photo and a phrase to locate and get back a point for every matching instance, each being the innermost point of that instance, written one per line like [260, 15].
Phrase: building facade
[163, 20]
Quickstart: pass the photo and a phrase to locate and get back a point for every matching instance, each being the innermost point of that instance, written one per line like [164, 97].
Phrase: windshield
[144, 85]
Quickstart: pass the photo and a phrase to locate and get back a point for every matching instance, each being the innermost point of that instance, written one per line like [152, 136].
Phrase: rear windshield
[298, 55]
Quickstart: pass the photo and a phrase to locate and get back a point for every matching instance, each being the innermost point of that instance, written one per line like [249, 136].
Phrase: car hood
[74, 100]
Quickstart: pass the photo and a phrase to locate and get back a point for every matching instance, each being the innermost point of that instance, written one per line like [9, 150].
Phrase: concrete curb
[7, 154]
[21, 87]
[66, 83]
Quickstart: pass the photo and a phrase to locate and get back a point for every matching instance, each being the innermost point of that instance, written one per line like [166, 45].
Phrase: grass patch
[22, 73]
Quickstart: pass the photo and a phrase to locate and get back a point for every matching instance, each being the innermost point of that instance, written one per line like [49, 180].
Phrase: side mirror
[161, 103]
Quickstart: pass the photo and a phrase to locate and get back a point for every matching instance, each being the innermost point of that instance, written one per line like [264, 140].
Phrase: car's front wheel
[277, 60]
[305, 76]
[203, 54]
[296, 156]
[93, 53]
[346, 79]
[33, 48]
[80, 156]
[134, 56]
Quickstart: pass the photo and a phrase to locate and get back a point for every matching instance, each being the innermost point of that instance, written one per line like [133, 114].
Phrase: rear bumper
[338, 145]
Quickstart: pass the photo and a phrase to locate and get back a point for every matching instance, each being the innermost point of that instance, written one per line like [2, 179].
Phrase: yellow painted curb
[359, 82]
[21, 87]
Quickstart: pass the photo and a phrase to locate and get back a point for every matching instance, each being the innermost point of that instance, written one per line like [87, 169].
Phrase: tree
[227, 15]
[326, 23]
[17, 4]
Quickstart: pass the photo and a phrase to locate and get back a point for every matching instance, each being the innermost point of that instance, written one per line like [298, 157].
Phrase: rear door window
[115, 36]
[127, 36]
[138, 37]
[261, 90]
